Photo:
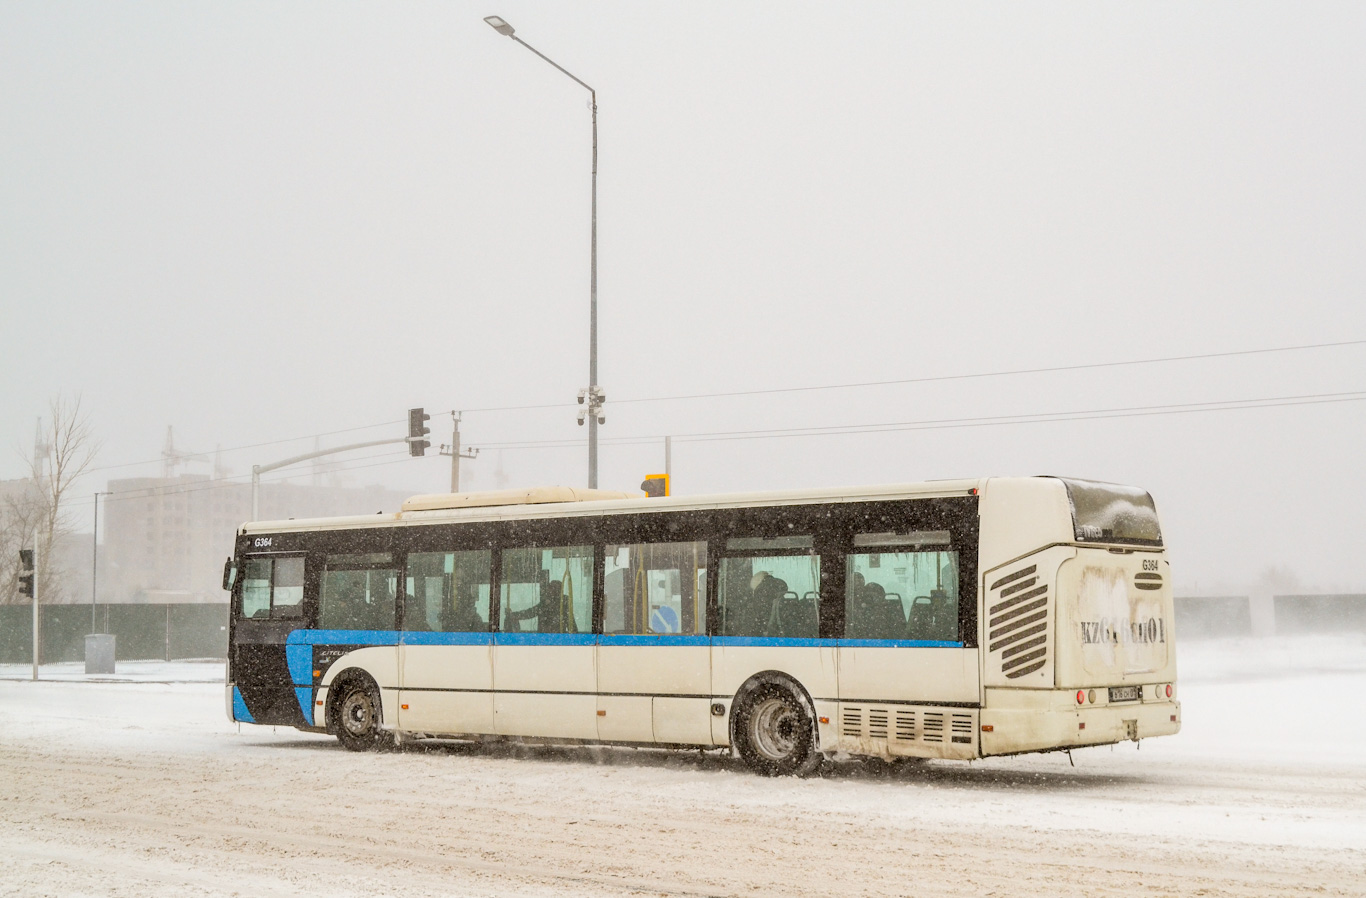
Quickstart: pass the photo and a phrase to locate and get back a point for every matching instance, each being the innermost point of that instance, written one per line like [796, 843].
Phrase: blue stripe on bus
[239, 707]
[661, 639]
[422, 637]
[305, 696]
[343, 637]
[299, 649]
[545, 639]
[300, 659]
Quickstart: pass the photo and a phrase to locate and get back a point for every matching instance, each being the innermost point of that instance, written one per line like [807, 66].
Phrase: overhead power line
[946, 423]
[936, 378]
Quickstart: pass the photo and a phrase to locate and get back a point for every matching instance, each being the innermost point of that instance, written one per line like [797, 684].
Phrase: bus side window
[448, 591]
[655, 589]
[773, 596]
[287, 588]
[273, 587]
[901, 591]
[547, 590]
[256, 588]
[359, 592]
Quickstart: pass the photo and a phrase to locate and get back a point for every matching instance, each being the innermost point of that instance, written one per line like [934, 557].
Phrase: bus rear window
[1109, 513]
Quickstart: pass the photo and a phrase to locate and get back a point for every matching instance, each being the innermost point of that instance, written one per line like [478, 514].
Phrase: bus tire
[775, 733]
[359, 715]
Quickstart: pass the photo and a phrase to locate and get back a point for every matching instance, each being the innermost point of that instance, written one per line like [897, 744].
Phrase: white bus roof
[551, 502]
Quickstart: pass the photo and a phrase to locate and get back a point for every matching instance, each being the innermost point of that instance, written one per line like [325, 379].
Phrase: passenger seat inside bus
[920, 624]
[797, 618]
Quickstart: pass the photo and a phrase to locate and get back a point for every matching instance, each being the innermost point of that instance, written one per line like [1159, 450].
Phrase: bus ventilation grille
[1019, 622]
[899, 725]
[1146, 580]
[851, 724]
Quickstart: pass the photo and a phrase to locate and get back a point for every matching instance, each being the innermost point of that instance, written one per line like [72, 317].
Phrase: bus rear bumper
[1047, 726]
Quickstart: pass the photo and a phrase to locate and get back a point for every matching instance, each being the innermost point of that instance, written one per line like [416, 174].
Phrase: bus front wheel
[776, 735]
[359, 716]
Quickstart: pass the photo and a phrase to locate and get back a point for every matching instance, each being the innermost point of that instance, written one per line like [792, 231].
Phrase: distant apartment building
[165, 538]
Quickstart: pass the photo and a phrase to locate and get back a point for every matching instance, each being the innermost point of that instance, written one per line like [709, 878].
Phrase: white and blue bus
[953, 619]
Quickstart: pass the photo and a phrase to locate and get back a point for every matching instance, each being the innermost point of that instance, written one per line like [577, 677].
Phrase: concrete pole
[36, 620]
[455, 455]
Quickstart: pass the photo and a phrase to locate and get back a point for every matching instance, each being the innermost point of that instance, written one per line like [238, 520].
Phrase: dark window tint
[358, 592]
[448, 591]
[770, 595]
[273, 588]
[547, 590]
[655, 588]
[900, 594]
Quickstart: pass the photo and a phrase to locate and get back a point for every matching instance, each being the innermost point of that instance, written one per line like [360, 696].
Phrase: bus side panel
[810, 662]
[888, 694]
[447, 688]
[1019, 620]
[654, 689]
[546, 685]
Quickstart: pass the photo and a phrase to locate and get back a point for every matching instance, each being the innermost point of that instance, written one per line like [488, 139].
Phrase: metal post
[95, 561]
[668, 459]
[455, 455]
[593, 396]
[258, 470]
[36, 624]
[593, 310]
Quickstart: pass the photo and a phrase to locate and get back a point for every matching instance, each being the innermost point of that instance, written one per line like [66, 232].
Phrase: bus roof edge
[540, 495]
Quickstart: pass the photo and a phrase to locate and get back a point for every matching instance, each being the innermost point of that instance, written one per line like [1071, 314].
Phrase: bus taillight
[1081, 696]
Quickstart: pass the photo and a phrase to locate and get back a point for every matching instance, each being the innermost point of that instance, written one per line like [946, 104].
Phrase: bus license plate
[1123, 693]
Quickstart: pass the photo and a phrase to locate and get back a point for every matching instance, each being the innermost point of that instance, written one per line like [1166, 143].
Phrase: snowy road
[144, 788]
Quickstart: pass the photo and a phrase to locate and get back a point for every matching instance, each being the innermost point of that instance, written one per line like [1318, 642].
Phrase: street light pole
[593, 394]
[95, 558]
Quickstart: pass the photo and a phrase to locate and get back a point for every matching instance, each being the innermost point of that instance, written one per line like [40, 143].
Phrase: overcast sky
[265, 221]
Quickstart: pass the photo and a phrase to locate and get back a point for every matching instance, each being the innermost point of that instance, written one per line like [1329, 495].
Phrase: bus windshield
[1109, 513]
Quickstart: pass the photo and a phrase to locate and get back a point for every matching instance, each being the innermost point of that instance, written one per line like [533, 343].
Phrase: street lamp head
[499, 25]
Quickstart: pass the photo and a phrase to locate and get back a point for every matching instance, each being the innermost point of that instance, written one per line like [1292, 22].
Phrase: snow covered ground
[137, 785]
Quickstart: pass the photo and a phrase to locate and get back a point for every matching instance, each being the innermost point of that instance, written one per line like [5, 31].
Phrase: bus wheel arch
[355, 712]
[773, 726]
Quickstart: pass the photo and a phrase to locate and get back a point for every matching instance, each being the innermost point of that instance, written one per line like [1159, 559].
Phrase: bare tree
[19, 514]
[36, 511]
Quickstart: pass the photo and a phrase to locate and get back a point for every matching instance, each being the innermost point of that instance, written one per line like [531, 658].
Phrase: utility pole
[455, 452]
[37, 622]
[669, 458]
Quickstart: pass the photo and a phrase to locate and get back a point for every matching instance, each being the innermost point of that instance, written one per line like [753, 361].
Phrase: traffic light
[656, 485]
[417, 429]
[26, 573]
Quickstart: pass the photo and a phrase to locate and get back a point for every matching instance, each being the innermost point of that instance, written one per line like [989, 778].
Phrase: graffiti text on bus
[1102, 631]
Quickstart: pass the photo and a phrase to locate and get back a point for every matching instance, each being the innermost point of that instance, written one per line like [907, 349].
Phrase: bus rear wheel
[775, 733]
[358, 717]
